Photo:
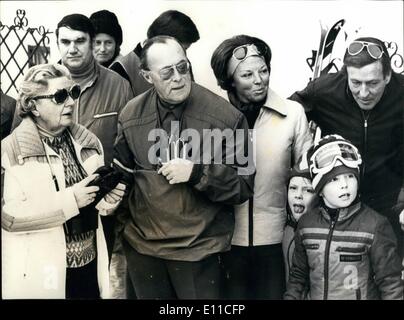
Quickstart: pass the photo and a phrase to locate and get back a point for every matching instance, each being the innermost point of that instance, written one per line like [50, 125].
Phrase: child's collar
[340, 213]
[290, 220]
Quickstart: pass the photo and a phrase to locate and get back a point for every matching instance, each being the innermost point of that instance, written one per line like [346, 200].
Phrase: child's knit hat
[331, 156]
[301, 168]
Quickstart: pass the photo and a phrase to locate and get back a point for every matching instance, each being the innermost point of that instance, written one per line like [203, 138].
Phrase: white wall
[291, 28]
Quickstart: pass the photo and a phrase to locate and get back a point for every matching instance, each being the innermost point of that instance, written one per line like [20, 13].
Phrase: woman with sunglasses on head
[53, 244]
[254, 266]
[363, 102]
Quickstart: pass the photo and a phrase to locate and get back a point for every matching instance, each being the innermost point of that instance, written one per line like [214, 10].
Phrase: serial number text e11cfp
[230, 309]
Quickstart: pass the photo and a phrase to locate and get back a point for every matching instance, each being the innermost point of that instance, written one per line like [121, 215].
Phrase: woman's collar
[29, 141]
[273, 101]
[276, 103]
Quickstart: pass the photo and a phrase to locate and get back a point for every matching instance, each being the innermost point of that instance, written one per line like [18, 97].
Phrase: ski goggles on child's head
[324, 159]
[374, 50]
[243, 52]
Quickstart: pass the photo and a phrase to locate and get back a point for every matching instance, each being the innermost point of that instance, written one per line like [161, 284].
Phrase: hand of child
[402, 220]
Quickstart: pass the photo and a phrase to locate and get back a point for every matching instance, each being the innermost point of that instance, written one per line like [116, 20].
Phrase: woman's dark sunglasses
[374, 50]
[61, 95]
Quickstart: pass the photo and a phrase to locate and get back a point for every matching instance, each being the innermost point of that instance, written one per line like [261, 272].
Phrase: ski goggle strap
[241, 53]
[325, 158]
[374, 50]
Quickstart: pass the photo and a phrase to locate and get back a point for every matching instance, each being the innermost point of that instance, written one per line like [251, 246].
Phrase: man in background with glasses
[364, 103]
[181, 214]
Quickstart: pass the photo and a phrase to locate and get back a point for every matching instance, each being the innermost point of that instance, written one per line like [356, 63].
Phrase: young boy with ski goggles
[344, 249]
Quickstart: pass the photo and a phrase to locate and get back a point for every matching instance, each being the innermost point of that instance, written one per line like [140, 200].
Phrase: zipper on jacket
[365, 141]
[79, 99]
[78, 108]
[250, 222]
[365, 126]
[327, 255]
[85, 87]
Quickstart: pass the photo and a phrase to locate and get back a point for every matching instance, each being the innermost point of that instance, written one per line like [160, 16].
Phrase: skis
[324, 53]
[323, 57]
[320, 53]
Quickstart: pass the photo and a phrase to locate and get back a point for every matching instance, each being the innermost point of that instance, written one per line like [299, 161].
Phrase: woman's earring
[31, 105]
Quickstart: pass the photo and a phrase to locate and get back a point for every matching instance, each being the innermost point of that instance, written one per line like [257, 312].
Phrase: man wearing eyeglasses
[170, 23]
[364, 103]
[181, 215]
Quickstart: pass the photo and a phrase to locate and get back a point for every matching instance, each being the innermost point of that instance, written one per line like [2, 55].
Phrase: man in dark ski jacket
[364, 103]
[181, 214]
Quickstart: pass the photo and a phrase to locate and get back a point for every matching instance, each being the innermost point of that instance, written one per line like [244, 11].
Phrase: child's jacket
[352, 258]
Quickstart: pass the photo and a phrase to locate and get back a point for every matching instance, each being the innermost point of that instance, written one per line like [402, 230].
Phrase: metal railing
[21, 47]
[397, 61]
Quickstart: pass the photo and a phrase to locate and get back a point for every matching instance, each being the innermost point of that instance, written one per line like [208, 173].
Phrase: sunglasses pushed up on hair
[375, 50]
[61, 95]
[241, 52]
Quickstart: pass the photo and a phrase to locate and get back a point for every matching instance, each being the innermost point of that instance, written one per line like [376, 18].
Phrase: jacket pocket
[103, 115]
[361, 249]
[311, 246]
[351, 254]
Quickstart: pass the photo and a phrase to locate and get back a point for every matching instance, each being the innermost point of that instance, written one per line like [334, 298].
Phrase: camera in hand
[87, 220]
[107, 180]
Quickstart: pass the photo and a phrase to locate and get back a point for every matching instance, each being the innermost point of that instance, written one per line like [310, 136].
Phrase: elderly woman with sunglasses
[53, 245]
[254, 266]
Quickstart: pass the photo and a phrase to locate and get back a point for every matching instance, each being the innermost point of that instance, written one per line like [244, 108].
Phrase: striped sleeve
[22, 214]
